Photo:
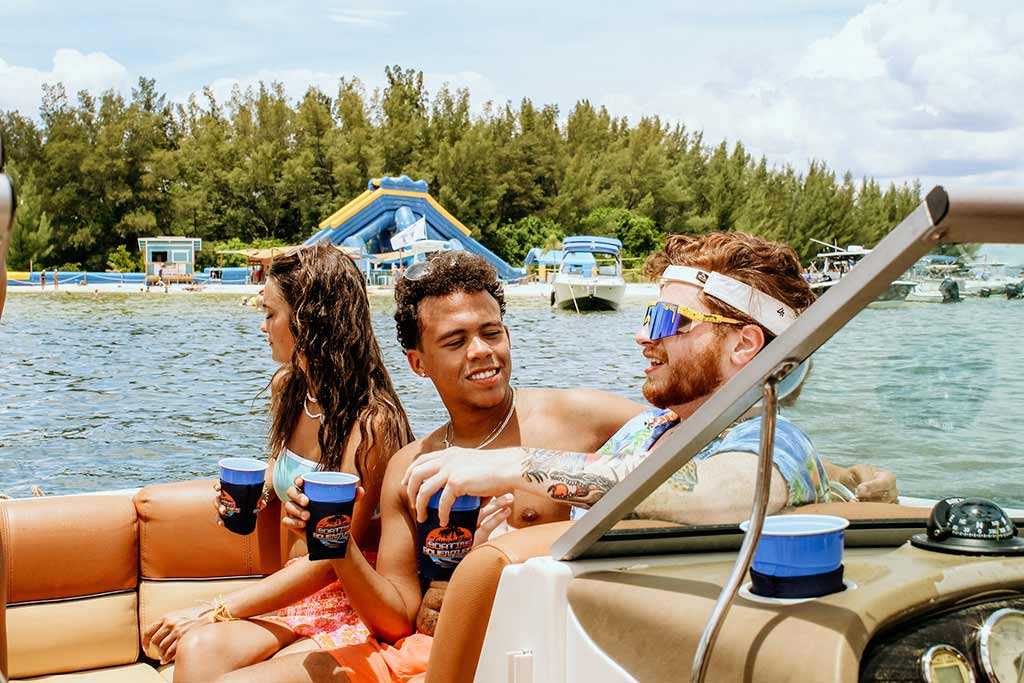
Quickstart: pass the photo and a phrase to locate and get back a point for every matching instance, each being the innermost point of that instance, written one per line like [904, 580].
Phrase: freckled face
[277, 323]
[689, 364]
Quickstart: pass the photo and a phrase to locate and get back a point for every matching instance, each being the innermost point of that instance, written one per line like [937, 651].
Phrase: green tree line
[95, 172]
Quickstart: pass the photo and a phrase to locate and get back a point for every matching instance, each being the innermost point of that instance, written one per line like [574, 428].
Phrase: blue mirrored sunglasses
[663, 319]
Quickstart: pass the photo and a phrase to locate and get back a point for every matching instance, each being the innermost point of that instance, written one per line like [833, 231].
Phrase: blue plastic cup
[441, 548]
[799, 545]
[241, 485]
[332, 497]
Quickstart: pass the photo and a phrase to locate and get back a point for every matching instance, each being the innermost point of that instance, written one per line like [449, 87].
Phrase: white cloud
[904, 89]
[364, 17]
[22, 86]
[481, 88]
[295, 81]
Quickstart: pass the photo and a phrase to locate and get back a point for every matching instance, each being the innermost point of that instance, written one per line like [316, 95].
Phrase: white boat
[829, 267]
[590, 275]
[985, 279]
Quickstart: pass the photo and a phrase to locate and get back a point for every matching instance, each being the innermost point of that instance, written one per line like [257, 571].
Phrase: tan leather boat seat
[72, 570]
[171, 561]
[132, 673]
[859, 512]
[84, 574]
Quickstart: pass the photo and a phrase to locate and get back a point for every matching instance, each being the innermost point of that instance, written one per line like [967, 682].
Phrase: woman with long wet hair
[333, 407]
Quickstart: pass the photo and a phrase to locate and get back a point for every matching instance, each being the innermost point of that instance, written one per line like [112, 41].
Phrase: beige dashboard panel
[650, 618]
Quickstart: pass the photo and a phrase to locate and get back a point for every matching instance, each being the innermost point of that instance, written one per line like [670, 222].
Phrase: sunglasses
[418, 270]
[663, 319]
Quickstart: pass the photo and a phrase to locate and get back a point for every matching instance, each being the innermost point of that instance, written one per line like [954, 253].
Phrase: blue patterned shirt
[795, 456]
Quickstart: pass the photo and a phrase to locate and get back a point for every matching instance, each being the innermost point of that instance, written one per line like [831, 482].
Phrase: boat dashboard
[979, 639]
[906, 614]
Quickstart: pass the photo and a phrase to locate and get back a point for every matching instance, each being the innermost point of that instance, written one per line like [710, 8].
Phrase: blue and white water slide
[390, 205]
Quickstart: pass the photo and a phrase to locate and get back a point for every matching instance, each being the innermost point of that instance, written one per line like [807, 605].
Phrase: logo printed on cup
[333, 530]
[447, 545]
[241, 485]
[230, 506]
[331, 503]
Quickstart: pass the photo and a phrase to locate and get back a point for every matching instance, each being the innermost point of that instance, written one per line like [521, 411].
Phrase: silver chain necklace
[495, 433]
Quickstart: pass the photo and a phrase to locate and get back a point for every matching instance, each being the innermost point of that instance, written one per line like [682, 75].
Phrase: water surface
[124, 390]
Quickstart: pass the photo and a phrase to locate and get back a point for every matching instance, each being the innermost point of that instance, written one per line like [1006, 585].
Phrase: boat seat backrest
[72, 573]
[186, 558]
[85, 573]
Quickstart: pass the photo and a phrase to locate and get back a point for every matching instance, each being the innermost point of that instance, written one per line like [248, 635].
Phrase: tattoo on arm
[576, 488]
[578, 479]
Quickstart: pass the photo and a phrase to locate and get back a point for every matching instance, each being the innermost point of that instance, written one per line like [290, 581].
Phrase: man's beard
[687, 380]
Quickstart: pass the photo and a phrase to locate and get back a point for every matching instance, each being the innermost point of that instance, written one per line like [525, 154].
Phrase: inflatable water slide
[391, 205]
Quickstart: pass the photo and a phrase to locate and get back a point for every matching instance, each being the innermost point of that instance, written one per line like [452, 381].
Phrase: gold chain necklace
[495, 433]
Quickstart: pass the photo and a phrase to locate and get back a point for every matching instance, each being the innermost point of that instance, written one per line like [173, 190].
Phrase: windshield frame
[978, 216]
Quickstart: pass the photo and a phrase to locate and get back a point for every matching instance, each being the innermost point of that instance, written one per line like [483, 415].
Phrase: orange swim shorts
[376, 662]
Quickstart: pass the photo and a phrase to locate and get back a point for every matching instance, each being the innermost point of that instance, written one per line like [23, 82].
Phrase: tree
[514, 240]
[32, 237]
[106, 169]
[403, 120]
[637, 232]
[120, 260]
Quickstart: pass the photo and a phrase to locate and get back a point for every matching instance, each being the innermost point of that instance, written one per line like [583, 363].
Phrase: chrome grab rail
[757, 514]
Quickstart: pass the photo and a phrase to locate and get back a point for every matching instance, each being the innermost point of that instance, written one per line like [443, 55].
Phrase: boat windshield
[919, 389]
[606, 264]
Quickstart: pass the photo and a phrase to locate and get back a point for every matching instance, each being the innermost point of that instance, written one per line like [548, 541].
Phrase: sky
[893, 90]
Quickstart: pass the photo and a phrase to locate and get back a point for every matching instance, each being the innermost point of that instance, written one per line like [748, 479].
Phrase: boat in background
[984, 278]
[933, 291]
[829, 267]
[935, 280]
[590, 275]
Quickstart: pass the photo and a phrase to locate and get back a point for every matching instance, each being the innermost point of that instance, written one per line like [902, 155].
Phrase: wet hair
[447, 272]
[330, 320]
[769, 267]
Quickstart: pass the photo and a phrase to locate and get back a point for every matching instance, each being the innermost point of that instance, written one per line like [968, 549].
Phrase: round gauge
[1001, 646]
[945, 664]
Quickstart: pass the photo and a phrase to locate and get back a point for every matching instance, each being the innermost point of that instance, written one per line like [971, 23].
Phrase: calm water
[120, 391]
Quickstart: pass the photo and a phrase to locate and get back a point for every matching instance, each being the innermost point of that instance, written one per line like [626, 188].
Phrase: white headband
[765, 309]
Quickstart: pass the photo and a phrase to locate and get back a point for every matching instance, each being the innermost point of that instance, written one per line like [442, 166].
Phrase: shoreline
[533, 290]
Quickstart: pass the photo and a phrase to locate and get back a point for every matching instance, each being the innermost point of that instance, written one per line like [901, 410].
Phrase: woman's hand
[162, 636]
[492, 519]
[296, 512]
[221, 510]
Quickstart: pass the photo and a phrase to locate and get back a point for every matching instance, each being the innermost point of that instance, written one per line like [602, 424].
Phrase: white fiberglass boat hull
[899, 290]
[588, 294]
[972, 287]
